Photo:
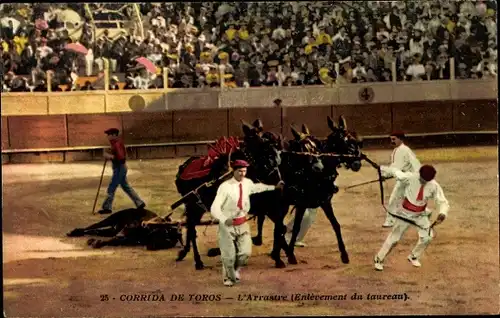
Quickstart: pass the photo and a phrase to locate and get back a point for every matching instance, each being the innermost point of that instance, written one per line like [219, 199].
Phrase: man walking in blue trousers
[117, 155]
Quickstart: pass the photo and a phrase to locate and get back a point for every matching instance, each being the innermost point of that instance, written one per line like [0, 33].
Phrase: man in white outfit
[404, 159]
[230, 207]
[307, 221]
[419, 188]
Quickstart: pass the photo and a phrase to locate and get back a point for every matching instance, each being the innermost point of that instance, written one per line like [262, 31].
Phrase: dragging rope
[431, 230]
[365, 183]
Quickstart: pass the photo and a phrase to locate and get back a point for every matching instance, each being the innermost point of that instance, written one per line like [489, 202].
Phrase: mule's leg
[181, 240]
[182, 253]
[279, 232]
[327, 207]
[121, 217]
[279, 241]
[110, 221]
[299, 215]
[197, 259]
[284, 245]
[115, 241]
[257, 240]
[286, 248]
[108, 232]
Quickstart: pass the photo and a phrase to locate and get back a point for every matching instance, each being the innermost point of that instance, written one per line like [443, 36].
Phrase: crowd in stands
[254, 44]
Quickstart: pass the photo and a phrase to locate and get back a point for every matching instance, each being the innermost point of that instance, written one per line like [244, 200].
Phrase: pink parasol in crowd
[150, 66]
[76, 47]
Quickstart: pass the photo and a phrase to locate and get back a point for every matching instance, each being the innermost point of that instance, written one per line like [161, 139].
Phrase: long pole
[99, 188]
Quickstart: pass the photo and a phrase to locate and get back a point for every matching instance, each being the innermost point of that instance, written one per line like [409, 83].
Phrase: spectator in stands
[462, 71]
[113, 83]
[488, 65]
[359, 70]
[416, 70]
[41, 86]
[87, 86]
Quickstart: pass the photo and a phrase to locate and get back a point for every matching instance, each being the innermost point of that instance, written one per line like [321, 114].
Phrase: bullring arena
[48, 274]
[52, 159]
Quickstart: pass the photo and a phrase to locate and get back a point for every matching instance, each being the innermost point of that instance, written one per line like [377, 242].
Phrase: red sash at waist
[412, 207]
[240, 220]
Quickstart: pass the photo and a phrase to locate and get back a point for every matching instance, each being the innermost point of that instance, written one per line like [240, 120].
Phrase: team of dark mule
[309, 169]
[307, 165]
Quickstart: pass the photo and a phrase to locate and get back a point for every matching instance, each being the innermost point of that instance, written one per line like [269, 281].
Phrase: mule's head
[344, 142]
[305, 143]
[262, 149]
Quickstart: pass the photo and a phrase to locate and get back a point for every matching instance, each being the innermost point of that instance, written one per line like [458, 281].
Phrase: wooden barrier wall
[54, 131]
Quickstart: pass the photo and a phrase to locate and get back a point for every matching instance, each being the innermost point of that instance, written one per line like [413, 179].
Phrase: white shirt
[467, 8]
[432, 189]
[155, 57]
[225, 205]
[361, 70]
[415, 70]
[491, 26]
[44, 50]
[492, 67]
[338, 36]
[404, 159]
[433, 25]
[466, 25]
[140, 82]
[417, 47]
[419, 26]
[279, 33]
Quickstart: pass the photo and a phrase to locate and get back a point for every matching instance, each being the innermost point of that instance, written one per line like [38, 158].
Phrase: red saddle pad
[198, 168]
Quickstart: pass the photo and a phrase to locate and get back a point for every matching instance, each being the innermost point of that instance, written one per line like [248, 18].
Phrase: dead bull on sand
[132, 227]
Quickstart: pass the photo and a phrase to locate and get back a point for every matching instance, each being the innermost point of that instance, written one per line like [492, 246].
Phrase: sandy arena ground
[47, 274]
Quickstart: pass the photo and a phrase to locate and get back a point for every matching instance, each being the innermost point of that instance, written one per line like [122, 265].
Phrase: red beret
[398, 133]
[240, 164]
[427, 172]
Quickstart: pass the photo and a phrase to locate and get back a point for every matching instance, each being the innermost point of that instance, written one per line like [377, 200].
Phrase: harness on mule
[195, 192]
[162, 235]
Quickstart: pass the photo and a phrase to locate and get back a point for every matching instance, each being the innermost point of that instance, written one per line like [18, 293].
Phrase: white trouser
[400, 227]
[89, 64]
[307, 221]
[100, 64]
[235, 243]
[395, 200]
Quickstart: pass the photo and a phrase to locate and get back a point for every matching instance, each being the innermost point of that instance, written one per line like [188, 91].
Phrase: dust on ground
[48, 274]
